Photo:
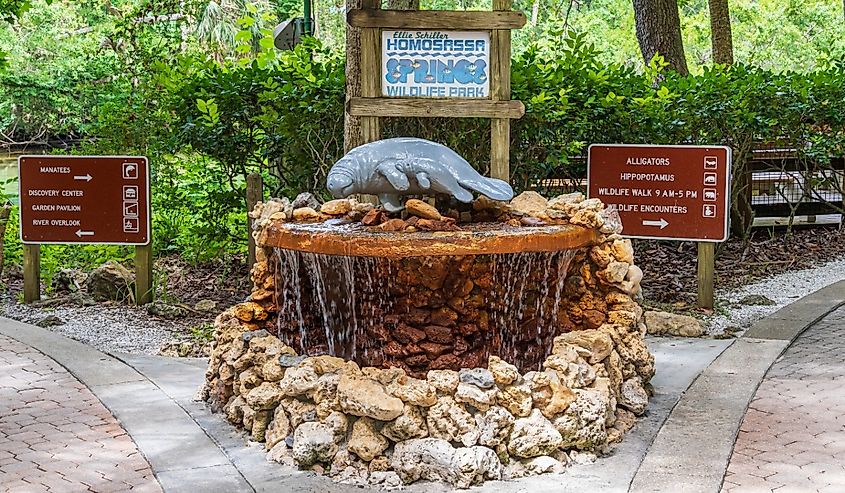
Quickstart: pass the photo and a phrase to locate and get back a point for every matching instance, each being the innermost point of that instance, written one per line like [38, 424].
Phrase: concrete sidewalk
[684, 443]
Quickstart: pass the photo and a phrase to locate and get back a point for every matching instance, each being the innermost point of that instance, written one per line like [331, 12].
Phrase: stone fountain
[483, 340]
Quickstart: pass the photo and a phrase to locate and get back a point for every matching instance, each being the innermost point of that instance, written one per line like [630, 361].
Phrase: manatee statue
[409, 166]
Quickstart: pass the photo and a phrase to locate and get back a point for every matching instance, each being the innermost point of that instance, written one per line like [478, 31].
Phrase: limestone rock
[588, 219]
[478, 398]
[583, 424]
[306, 214]
[299, 380]
[305, 199]
[313, 443]
[599, 344]
[494, 426]
[272, 370]
[281, 453]
[480, 377]
[532, 467]
[265, 396]
[503, 373]
[516, 398]
[568, 199]
[278, 430]
[387, 479]
[533, 436]
[663, 323]
[450, 421]
[416, 207]
[445, 381]
[298, 411]
[632, 396]
[434, 459]
[474, 465]
[365, 441]
[365, 397]
[336, 207]
[529, 203]
[110, 282]
[413, 391]
[411, 424]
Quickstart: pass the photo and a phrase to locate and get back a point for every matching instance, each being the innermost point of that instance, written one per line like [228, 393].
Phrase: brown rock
[532, 222]
[429, 225]
[418, 208]
[406, 334]
[373, 218]
[433, 350]
[593, 319]
[417, 360]
[439, 334]
[445, 362]
[337, 207]
[444, 316]
[392, 225]
[416, 316]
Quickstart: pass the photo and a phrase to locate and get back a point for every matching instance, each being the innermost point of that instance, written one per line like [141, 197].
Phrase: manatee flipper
[394, 175]
[441, 181]
[423, 181]
[491, 187]
[391, 202]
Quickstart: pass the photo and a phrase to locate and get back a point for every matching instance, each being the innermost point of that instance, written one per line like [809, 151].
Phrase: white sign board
[435, 64]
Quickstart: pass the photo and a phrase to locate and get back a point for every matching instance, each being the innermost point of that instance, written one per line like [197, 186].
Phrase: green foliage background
[209, 100]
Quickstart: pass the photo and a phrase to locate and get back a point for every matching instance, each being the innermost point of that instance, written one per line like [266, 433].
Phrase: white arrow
[661, 223]
[85, 177]
[81, 233]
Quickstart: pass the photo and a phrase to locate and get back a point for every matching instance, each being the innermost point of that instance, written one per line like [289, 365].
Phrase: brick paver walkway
[56, 436]
[793, 437]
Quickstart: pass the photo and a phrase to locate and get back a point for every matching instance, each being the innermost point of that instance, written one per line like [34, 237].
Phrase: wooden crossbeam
[435, 19]
[435, 107]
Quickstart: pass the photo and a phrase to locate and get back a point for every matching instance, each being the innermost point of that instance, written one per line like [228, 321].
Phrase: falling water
[335, 304]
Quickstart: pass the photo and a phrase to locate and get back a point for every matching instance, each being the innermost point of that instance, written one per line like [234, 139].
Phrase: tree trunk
[5, 210]
[720, 32]
[403, 4]
[535, 12]
[659, 31]
[352, 137]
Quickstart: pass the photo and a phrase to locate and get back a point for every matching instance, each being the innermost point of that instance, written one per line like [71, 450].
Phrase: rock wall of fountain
[473, 415]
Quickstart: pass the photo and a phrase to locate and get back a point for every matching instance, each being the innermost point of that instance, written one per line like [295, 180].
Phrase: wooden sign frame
[371, 105]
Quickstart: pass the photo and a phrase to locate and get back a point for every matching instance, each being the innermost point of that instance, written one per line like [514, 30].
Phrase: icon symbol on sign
[710, 178]
[130, 225]
[130, 209]
[709, 210]
[130, 192]
[710, 195]
[130, 171]
[711, 162]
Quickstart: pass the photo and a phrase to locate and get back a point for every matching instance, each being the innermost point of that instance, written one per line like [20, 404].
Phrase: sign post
[85, 200]
[667, 193]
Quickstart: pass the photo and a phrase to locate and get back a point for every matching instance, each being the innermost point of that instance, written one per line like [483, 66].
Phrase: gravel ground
[106, 327]
[783, 289]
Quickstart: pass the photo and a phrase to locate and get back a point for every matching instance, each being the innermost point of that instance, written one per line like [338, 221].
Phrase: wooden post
[370, 74]
[254, 194]
[144, 273]
[31, 273]
[500, 90]
[706, 274]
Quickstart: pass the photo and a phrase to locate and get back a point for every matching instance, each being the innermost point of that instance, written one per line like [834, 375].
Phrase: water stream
[333, 304]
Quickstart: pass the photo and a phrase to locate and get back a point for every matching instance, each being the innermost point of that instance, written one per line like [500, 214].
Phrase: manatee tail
[491, 187]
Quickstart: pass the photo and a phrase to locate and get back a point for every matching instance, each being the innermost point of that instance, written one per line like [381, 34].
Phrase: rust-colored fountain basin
[474, 239]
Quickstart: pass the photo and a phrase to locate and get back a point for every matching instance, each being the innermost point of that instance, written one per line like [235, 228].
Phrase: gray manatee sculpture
[390, 168]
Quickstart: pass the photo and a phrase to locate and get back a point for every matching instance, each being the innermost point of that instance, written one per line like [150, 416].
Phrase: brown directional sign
[85, 199]
[664, 192]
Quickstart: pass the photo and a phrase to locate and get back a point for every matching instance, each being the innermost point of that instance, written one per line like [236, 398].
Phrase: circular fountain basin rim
[476, 239]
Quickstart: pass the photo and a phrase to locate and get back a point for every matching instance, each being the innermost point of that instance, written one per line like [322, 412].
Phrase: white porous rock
[299, 380]
[278, 430]
[413, 391]
[568, 199]
[365, 441]
[450, 421]
[632, 396]
[583, 425]
[313, 443]
[265, 396]
[435, 459]
[516, 398]
[282, 454]
[478, 398]
[298, 411]
[411, 424]
[386, 479]
[503, 373]
[533, 436]
[445, 381]
[361, 396]
[611, 222]
[532, 467]
[664, 323]
[494, 426]
[529, 203]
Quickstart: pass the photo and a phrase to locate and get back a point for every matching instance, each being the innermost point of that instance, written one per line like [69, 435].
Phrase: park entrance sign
[84, 199]
[664, 192]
